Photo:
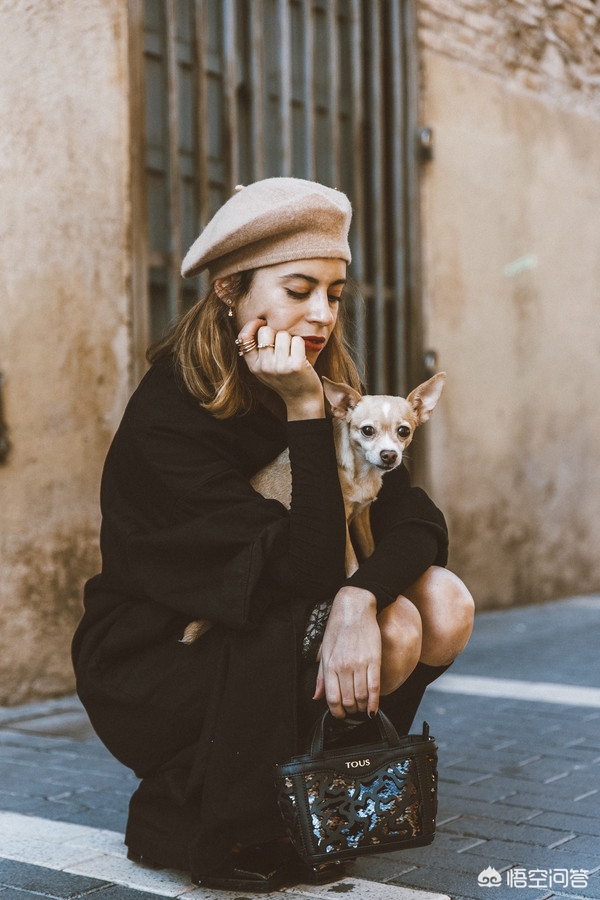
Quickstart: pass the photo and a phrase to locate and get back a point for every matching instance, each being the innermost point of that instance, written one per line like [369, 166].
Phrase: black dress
[185, 536]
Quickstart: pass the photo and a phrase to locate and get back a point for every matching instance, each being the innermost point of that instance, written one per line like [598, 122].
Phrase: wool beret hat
[269, 222]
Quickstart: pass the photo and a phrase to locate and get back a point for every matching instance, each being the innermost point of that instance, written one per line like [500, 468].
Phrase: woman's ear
[223, 292]
[221, 289]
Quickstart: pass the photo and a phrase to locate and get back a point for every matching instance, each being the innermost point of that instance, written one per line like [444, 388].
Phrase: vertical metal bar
[412, 181]
[415, 342]
[139, 306]
[309, 90]
[258, 89]
[377, 190]
[358, 193]
[285, 93]
[202, 116]
[230, 75]
[334, 91]
[174, 177]
[397, 197]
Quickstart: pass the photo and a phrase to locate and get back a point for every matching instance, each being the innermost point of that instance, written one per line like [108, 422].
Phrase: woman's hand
[350, 664]
[279, 362]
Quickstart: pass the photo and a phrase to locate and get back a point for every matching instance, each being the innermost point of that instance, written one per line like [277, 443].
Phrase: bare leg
[431, 624]
[401, 638]
[446, 609]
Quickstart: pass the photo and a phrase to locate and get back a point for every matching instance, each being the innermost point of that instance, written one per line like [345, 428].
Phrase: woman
[184, 536]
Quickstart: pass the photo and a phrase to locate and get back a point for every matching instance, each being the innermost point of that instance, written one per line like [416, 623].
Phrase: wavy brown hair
[202, 345]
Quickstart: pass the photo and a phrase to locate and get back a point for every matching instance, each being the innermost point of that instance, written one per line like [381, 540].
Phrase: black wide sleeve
[317, 534]
[182, 525]
[410, 535]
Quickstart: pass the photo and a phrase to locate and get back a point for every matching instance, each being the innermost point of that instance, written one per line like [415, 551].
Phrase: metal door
[236, 90]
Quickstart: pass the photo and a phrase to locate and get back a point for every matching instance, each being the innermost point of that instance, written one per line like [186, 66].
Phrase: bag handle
[387, 731]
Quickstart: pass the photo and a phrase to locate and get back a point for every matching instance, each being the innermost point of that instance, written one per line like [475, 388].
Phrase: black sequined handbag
[370, 798]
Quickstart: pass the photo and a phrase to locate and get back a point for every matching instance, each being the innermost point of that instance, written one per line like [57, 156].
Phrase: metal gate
[231, 91]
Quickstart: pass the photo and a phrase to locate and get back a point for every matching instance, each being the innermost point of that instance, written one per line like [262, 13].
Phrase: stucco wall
[549, 47]
[63, 330]
[512, 271]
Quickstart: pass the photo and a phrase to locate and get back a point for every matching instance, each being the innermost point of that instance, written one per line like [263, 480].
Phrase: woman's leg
[423, 631]
[430, 624]
[401, 641]
[446, 609]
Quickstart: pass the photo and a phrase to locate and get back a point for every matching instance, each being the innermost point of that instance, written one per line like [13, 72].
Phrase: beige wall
[64, 324]
[512, 271]
[549, 47]
[511, 205]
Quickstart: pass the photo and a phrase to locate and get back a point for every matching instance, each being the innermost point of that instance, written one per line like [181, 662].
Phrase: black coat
[185, 536]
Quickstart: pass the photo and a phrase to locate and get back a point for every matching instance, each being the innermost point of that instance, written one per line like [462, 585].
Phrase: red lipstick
[313, 342]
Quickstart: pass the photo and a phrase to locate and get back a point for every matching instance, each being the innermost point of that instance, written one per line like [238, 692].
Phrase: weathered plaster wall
[512, 267]
[64, 149]
[549, 47]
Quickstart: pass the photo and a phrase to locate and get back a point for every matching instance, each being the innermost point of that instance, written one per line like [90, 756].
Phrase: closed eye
[303, 295]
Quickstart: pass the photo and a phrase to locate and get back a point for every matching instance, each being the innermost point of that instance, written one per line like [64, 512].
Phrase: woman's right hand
[349, 674]
[279, 362]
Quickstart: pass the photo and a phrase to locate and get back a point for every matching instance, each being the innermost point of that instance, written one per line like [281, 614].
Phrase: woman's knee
[447, 611]
[401, 636]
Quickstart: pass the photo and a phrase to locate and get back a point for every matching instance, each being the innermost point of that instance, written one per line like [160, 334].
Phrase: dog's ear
[342, 398]
[424, 397]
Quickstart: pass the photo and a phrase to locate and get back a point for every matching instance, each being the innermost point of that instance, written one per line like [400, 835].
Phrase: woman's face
[300, 297]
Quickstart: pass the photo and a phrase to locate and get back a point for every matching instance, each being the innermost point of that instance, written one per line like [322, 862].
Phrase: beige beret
[269, 222]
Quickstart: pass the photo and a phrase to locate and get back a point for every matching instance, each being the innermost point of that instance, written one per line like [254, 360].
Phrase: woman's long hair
[203, 348]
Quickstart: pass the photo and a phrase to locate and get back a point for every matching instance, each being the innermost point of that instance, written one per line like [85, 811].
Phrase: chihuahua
[370, 433]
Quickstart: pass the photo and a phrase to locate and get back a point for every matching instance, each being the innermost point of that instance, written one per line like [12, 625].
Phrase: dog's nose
[388, 457]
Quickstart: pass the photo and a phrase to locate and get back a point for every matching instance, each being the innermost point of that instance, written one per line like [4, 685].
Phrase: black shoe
[261, 869]
[319, 873]
[143, 860]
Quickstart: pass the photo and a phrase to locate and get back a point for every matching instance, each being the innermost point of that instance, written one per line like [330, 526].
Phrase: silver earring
[230, 310]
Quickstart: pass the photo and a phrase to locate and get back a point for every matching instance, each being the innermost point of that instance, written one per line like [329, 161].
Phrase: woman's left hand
[350, 658]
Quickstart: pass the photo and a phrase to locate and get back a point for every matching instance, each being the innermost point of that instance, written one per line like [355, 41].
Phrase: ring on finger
[245, 346]
[264, 346]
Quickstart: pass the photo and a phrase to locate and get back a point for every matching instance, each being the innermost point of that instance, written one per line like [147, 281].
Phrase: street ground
[517, 721]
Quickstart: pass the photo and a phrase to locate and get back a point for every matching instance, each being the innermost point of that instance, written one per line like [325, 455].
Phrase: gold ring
[245, 346]
[264, 346]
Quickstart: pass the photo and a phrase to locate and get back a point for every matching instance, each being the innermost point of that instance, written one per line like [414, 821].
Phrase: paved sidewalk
[517, 720]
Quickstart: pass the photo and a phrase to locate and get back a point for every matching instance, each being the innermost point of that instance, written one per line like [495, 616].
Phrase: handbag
[346, 802]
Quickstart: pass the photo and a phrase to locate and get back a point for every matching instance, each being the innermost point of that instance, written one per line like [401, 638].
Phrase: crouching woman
[185, 536]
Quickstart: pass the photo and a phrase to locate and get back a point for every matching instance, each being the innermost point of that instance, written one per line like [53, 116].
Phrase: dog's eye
[367, 430]
[404, 431]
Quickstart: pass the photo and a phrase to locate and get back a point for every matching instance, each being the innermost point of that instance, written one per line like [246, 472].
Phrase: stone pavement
[517, 720]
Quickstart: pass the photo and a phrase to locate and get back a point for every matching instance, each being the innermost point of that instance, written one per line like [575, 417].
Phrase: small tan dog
[371, 433]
